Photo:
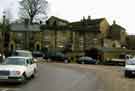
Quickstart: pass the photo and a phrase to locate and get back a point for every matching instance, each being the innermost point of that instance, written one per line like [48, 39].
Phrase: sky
[122, 11]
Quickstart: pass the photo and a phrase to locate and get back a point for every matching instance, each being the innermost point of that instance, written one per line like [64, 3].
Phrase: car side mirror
[34, 60]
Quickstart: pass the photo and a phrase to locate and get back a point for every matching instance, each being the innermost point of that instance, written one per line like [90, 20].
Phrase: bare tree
[32, 9]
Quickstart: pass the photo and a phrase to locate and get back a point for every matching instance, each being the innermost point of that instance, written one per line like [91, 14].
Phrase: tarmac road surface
[57, 77]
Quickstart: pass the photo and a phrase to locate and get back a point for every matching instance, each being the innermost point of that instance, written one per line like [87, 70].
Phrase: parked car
[59, 56]
[86, 60]
[17, 69]
[122, 59]
[130, 67]
[23, 53]
[56, 56]
[38, 55]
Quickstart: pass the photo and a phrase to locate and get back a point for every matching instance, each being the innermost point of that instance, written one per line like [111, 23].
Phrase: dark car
[56, 56]
[60, 56]
[37, 54]
[86, 60]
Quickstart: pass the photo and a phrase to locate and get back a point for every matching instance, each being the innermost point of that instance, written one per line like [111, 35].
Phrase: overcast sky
[73, 10]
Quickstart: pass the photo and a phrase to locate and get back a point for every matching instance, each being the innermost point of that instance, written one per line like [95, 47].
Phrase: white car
[17, 69]
[130, 67]
[24, 53]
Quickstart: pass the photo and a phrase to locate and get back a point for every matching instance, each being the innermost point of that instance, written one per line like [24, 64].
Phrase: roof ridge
[59, 19]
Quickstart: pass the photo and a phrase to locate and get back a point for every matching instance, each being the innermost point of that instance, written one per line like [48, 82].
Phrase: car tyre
[126, 74]
[34, 73]
[23, 78]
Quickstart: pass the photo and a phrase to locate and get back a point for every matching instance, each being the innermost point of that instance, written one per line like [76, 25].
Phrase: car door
[29, 68]
[34, 65]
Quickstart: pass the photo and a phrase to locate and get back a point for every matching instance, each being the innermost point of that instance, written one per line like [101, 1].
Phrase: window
[19, 35]
[29, 61]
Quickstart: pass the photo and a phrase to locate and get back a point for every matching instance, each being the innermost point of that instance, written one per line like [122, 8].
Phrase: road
[58, 77]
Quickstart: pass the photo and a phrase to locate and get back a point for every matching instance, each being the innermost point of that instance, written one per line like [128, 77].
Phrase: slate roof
[86, 25]
[62, 20]
[118, 27]
[87, 22]
[85, 28]
[22, 27]
[115, 30]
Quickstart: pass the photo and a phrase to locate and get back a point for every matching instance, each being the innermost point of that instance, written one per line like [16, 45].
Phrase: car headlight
[15, 72]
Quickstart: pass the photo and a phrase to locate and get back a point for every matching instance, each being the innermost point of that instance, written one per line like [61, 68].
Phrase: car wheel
[23, 78]
[126, 74]
[34, 73]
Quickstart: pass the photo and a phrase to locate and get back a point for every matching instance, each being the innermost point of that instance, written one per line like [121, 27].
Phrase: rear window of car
[37, 54]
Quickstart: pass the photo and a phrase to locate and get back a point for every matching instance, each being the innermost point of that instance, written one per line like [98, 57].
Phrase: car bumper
[130, 72]
[11, 79]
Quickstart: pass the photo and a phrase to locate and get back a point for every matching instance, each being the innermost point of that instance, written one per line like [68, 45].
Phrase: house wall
[123, 38]
[54, 38]
[52, 20]
[104, 27]
[48, 39]
[78, 41]
[131, 42]
[63, 37]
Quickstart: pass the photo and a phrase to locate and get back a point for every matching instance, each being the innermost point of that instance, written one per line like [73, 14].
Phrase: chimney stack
[89, 17]
[4, 17]
[84, 18]
[26, 22]
[40, 22]
[114, 22]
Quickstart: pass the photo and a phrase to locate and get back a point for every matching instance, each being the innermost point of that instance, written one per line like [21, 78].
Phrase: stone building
[117, 35]
[131, 42]
[89, 33]
[24, 36]
[61, 35]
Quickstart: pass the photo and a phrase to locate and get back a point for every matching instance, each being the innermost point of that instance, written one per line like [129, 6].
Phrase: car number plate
[3, 77]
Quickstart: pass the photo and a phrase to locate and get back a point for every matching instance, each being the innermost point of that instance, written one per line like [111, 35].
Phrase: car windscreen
[130, 62]
[15, 61]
